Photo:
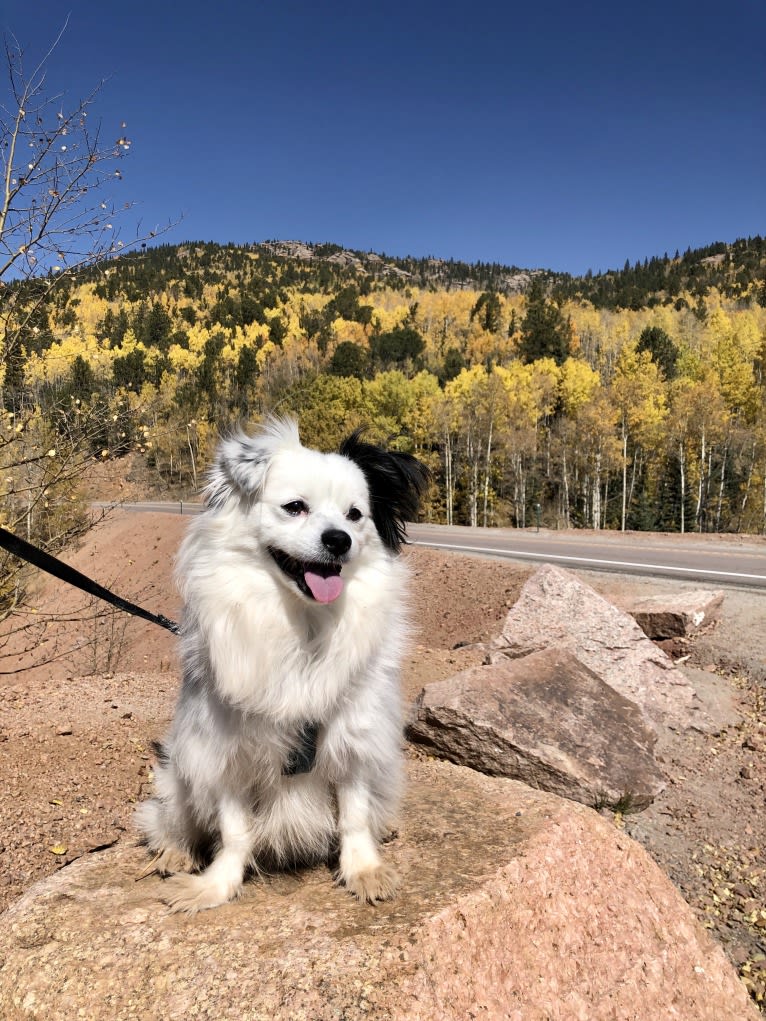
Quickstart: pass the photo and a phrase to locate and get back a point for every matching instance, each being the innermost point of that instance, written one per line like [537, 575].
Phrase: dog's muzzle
[318, 580]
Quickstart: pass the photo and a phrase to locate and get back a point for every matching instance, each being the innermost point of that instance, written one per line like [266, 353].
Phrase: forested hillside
[628, 399]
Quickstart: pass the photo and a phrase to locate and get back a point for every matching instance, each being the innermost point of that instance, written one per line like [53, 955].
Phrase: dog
[286, 744]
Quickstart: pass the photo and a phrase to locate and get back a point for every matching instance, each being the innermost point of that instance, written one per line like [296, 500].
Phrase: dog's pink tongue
[324, 590]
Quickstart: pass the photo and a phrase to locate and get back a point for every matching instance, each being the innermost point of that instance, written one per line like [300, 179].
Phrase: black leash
[302, 757]
[39, 558]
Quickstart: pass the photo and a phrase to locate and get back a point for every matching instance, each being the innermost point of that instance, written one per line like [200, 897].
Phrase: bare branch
[60, 171]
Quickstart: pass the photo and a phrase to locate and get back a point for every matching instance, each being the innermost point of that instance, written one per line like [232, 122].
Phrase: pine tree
[544, 330]
[662, 349]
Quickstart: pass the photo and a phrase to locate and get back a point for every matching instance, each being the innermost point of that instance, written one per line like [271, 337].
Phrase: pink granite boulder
[556, 609]
[514, 904]
[547, 720]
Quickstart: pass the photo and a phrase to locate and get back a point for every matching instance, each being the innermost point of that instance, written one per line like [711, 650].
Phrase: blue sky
[540, 134]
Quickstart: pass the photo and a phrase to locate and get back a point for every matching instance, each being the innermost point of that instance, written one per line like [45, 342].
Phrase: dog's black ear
[241, 461]
[397, 483]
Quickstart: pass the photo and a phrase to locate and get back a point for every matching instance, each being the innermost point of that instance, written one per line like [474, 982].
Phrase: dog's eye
[296, 507]
[354, 514]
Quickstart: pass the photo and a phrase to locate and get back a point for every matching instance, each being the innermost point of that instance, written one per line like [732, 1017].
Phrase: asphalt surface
[707, 559]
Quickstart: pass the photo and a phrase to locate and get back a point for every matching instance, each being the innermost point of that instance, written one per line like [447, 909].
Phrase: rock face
[547, 720]
[514, 905]
[556, 609]
[676, 615]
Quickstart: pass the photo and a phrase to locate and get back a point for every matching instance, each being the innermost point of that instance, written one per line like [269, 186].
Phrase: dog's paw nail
[373, 885]
[190, 894]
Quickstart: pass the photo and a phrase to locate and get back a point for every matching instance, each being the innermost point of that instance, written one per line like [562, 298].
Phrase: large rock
[555, 608]
[547, 720]
[514, 905]
[675, 614]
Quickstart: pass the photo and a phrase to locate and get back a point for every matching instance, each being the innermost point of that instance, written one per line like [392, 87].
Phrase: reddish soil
[84, 690]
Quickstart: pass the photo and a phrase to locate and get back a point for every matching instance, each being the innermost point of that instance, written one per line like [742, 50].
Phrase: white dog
[285, 748]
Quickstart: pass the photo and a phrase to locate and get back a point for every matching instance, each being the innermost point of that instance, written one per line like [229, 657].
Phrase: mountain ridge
[737, 269]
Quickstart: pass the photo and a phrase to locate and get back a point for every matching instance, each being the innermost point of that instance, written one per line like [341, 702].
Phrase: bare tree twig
[59, 215]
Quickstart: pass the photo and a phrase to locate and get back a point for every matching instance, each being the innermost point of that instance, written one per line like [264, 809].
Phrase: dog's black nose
[336, 541]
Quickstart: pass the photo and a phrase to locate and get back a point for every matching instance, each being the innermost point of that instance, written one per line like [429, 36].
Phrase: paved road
[709, 560]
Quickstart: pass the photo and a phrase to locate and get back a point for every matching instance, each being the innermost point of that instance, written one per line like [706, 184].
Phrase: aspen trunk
[746, 494]
[605, 501]
[633, 474]
[473, 481]
[720, 489]
[565, 481]
[193, 460]
[596, 491]
[487, 464]
[624, 476]
[448, 481]
[701, 486]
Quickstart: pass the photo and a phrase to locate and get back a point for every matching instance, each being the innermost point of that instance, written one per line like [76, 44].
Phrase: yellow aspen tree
[596, 454]
[462, 397]
[638, 392]
[390, 399]
[475, 408]
[532, 394]
[328, 407]
[577, 384]
[732, 353]
[588, 324]
[698, 418]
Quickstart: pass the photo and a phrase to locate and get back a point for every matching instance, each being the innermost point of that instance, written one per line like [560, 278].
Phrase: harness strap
[39, 558]
[302, 758]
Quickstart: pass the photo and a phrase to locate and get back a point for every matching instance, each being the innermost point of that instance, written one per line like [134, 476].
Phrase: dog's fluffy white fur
[294, 618]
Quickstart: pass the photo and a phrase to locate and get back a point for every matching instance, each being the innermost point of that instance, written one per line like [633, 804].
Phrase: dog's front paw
[373, 884]
[166, 862]
[190, 894]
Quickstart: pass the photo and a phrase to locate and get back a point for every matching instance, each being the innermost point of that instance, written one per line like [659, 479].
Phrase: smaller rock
[63, 730]
[675, 615]
[547, 720]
